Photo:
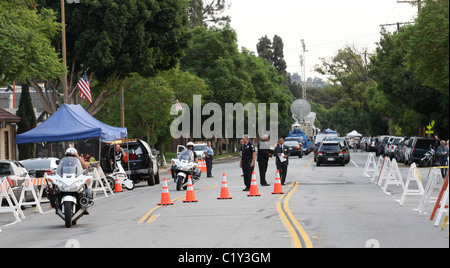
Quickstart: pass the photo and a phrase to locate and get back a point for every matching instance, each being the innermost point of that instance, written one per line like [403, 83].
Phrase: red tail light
[10, 181]
[319, 153]
[341, 153]
[298, 147]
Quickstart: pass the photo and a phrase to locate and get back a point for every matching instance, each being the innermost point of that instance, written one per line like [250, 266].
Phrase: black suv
[139, 161]
[417, 148]
[330, 152]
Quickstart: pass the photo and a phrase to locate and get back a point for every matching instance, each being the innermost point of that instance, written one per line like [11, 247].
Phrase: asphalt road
[323, 207]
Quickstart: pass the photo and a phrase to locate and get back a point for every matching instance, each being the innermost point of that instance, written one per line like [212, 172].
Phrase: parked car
[399, 153]
[139, 161]
[384, 140]
[295, 148]
[37, 167]
[15, 173]
[417, 147]
[392, 146]
[330, 152]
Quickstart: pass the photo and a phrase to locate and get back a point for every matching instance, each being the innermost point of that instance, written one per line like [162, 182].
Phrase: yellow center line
[287, 219]
[309, 163]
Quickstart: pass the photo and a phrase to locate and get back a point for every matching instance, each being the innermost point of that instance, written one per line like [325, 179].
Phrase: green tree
[114, 38]
[401, 95]
[148, 102]
[264, 48]
[207, 13]
[27, 122]
[428, 45]
[273, 52]
[278, 55]
[25, 37]
[233, 76]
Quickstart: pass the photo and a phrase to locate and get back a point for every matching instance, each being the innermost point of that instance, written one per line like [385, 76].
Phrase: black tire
[68, 213]
[179, 183]
[157, 177]
[111, 182]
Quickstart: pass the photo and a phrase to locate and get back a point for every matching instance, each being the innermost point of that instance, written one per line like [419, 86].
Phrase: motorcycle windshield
[70, 165]
[187, 155]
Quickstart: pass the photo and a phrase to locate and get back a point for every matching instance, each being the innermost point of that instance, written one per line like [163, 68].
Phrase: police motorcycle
[183, 167]
[429, 159]
[120, 175]
[68, 190]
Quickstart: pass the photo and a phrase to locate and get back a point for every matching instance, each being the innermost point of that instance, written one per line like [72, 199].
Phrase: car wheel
[157, 177]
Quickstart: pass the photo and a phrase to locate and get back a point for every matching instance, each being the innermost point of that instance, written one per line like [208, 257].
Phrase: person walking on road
[263, 159]
[442, 153]
[247, 163]
[209, 155]
[282, 153]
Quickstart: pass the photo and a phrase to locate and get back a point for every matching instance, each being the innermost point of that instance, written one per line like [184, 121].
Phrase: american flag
[85, 91]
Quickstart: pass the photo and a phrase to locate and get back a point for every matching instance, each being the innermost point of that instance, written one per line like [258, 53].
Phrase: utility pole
[64, 53]
[396, 24]
[419, 4]
[303, 67]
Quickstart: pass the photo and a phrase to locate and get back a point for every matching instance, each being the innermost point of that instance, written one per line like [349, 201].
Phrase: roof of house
[8, 117]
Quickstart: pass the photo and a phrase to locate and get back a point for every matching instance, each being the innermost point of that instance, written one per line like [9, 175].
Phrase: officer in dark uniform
[248, 155]
[263, 159]
[282, 152]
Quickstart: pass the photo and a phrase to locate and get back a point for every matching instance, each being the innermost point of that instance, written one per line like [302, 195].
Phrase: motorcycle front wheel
[68, 213]
[128, 184]
[179, 183]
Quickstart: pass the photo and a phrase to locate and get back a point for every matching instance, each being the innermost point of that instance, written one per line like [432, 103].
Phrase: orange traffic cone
[203, 166]
[278, 189]
[118, 187]
[224, 194]
[254, 186]
[190, 195]
[165, 196]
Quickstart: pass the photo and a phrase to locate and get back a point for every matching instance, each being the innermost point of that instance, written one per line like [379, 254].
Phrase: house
[8, 128]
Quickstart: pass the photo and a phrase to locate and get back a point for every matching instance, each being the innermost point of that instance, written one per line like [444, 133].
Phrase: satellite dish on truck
[300, 109]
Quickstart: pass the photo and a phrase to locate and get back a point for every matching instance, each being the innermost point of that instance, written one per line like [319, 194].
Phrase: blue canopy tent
[70, 123]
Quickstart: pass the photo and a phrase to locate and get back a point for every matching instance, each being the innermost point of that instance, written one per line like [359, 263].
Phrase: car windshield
[187, 155]
[425, 143]
[37, 164]
[330, 147]
[69, 165]
[291, 143]
[199, 147]
[396, 141]
[5, 169]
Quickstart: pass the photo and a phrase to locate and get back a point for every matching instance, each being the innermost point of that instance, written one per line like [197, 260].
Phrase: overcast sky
[325, 25]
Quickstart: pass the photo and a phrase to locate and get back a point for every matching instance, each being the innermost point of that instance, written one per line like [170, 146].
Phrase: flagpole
[64, 53]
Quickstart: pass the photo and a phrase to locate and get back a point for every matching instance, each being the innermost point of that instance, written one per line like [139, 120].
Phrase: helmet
[190, 144]
[71, 151]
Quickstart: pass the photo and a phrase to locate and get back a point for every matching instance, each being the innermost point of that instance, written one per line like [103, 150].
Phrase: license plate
[331, 159]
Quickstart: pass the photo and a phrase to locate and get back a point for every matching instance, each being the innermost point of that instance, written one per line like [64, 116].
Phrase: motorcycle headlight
[69, 188]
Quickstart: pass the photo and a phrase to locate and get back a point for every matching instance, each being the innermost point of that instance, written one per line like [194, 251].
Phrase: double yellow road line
[298, 234]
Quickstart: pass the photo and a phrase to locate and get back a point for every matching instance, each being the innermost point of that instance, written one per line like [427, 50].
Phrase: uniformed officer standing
[209, 154]
[248, 155]
[282, 153]
[263, 159]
